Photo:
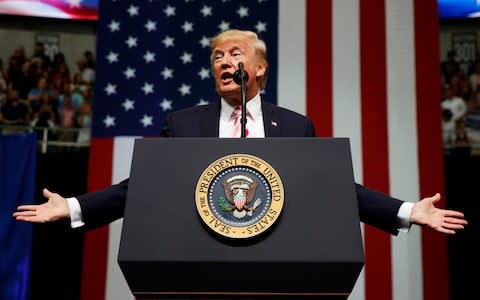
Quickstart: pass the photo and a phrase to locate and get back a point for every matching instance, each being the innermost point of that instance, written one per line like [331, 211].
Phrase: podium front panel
[315, 248]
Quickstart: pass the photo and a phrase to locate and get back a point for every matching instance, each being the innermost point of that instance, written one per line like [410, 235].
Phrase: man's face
[227, 55]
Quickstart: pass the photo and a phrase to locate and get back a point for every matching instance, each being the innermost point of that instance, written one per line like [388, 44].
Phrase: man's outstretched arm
[88, 211]
[424, 213]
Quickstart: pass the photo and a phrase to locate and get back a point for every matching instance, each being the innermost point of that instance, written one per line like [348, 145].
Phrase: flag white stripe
[346, 78]
[402, 143]
[346, 91]
[116, 287]
[292, 55]
[122, 158]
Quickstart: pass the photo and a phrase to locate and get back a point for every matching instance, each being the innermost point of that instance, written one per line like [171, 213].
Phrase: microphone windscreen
[237, 75]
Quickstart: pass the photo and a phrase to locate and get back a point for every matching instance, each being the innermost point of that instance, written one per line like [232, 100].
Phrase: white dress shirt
[255, 130]
[254, 119]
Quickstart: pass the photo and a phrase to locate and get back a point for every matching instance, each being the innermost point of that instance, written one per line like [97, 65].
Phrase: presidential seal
[239, 196]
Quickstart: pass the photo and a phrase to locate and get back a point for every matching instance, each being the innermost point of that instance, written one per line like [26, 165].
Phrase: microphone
[240, 74]
[240, 77]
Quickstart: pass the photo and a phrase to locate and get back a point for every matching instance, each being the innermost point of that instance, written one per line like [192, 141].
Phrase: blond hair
[243, 35]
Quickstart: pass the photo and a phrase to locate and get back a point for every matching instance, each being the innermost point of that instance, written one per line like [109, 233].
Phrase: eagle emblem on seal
[239, 191]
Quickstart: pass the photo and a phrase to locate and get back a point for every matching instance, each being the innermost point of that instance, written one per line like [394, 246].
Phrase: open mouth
[227, 77]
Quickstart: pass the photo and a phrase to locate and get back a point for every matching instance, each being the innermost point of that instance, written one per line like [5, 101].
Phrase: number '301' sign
[465, 45]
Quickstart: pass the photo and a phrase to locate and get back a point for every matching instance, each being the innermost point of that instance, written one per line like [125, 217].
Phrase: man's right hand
[54, 209]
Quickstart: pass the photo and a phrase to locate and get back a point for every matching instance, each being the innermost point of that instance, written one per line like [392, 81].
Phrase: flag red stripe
[430, 151]
[373, 71]
[319, 65]
[95, 252]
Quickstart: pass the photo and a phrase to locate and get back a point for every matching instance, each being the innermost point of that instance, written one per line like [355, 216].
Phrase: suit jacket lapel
[271, 124]
[209, 120]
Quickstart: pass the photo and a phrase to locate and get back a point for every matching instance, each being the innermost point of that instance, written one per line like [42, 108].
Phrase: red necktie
[237, 125]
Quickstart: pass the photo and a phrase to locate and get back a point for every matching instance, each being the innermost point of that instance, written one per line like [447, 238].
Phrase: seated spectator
[475, 78]
[59, 74]
[448, 127]
[45, 116]
[472, 119]
[39, 56]
[35, 94]
[88, 55]
[66, 112]
[450, 66]
[26, 79]
[67, 119]
[87, 73]
[3, 71]
[461, 143]
[76, 89]
[84, 118]
[3, 89]
[461, 138]
[14, 112]
[460, 84]
[454, 103]
[14, 70]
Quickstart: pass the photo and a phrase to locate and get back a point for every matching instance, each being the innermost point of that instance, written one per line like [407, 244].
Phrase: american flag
[62, 9]
[367, 70]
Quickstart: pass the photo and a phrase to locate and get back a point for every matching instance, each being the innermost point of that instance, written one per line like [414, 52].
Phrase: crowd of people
[39, 92]
[460, 104]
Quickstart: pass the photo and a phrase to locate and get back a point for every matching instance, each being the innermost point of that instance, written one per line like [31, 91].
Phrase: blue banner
[459, 9]
[17, 185]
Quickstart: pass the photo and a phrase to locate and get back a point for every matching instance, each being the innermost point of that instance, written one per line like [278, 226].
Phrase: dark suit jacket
[105, 206]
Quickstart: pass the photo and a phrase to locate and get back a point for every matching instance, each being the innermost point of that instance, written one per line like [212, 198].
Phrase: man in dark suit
[220, 119]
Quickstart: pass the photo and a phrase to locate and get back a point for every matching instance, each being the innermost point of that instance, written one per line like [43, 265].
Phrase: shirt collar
[254, 108]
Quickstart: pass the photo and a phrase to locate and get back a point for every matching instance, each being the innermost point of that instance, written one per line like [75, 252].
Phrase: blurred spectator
[455, 104]
[27, 80]
[67, 118]
[59, 74]
[14, 112]
[84, 117]
[88, 55]
[461, 137]
[475, 78]
[459, 84]
[461, 142]
[15, 66]
[472, 121]
[39, 57]
[3, 72]
[62, 91]
[472, 65]
[450, 66]
[45, 116]
[448, 127]
[77, 88]
[35, 94]
[87, 74]
[3, 85]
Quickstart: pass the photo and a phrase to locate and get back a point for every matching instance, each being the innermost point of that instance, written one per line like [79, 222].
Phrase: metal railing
[472, 148]
[45, 134]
